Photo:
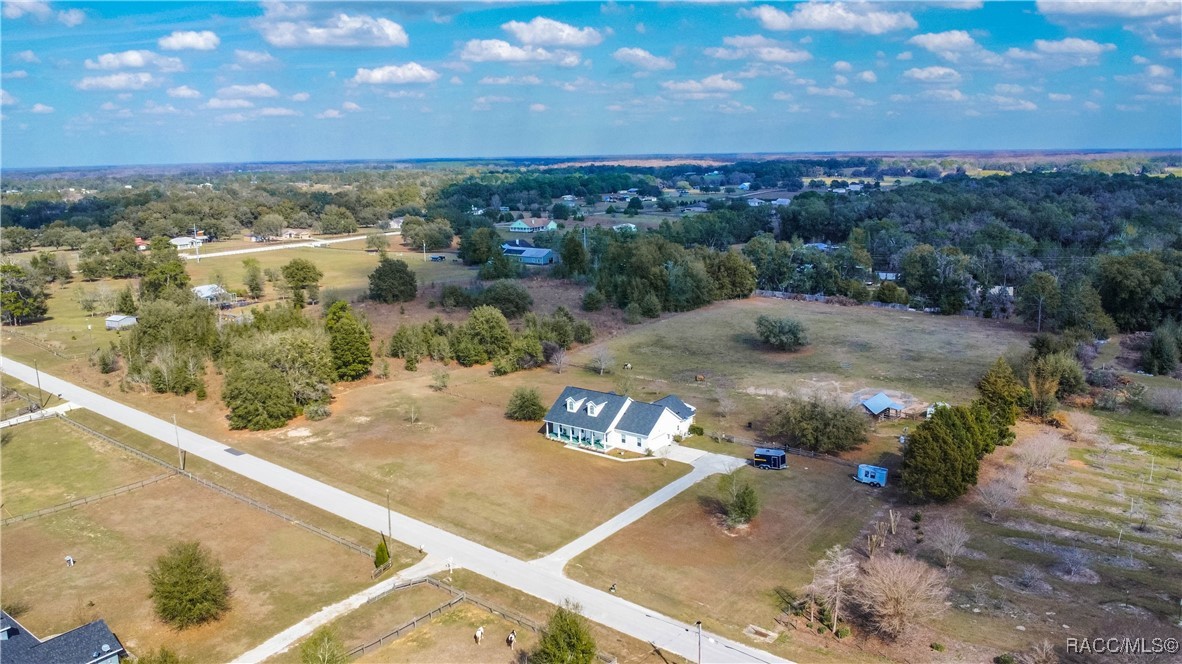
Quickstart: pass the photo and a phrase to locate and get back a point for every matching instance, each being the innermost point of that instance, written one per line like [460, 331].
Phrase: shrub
[317, 411]
[938, 647]
[593, 300]
[785, 334]
[583, 332]
[525, 404]
[188, 586]
[632, 313]
[510, 297]
[381, 553]
[1161, 355]
[566, 639]
[1105, 377]
[323, 647]
[650, 305]
[821, 423]
[1005, 658]
[842, 632]
[161, 656]
[1163, 401]
[696, 430]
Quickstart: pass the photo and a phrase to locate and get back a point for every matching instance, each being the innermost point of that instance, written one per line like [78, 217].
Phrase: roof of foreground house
[88, 643]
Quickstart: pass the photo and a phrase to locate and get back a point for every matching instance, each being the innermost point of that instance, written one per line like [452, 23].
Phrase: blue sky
[182, 82]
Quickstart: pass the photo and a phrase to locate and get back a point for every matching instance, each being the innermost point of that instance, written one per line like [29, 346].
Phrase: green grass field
[31, 467]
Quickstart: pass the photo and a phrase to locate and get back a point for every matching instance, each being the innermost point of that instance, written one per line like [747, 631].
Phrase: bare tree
[833, 577]
[894, 517]
[948, 538]
[1041, 653]
[1075, 560]
[897, 592]
[1002, 493]
[726, 405]
[558, 359]
[602, 361]
[1041, 453]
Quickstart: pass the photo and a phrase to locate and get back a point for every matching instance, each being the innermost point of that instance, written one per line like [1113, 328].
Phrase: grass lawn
[13, 405]
[279, 573]
[935, 358]
[682, 562]
[461, 465]
[49, 463]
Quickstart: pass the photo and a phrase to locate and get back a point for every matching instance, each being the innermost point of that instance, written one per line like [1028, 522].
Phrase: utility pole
[43, 400]
[424, 251]
[699, 624]
[197, 242]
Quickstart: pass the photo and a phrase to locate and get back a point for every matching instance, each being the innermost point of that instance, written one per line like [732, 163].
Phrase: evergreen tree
[381, 554]
[259, 396]
[566, 639]
[125, 303]
[786, 334]
[254, 278]
[303, 278]
[573, 255]
[392, 281]
[164, 278]
[484, 336]
[940, 461]
[188, 586]
[349, 342]
[525, 404]
[1161, 355]
[1002, 393]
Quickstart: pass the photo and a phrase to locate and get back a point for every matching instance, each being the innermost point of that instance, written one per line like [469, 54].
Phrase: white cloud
[1056, 96]
[1072, 46]
[404, 94]
[498, 50]
[183, 92]
[485, 103]
[6, 99]
[1012, 103]
[547, 32]
[1008, 89]
[1091, 105]
[350, 106]
[411, 72]
[942, 95]
[933, 75]
[256, 90]
[757, 47]
[828, 92]
[1140, 60]
[537, 108]
[17, 73]
[842, 65]
[510, 80]
[223, 104]
[253, 57]
[955, 46]
[340, 30]
[1158, 71]
[783, 96]
[732, 107]
[109, 106]
[716, 83]
[905, 55]
[40, 10]
[275, 112]
[840, 80]
[25, 56]
[1120, 8]
[868, 76]
[862, 17]
[41, 108]
[190, 40]
[135, 60]
[121, 81]
[455, 80]
[1159, 89]
[301, 96]
[642, 59]
[641, 28]
[158, 109]
[329, 114]
[1129, 108]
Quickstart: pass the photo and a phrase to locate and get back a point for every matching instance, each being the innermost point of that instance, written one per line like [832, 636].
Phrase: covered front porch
[567, 435]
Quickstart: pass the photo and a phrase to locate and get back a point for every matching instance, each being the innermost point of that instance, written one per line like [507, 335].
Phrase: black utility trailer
[769, 459]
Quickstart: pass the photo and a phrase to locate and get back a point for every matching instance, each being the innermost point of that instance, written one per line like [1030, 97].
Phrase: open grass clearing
[448, 638]
[279, 573]
[49, 462]
[681, 561]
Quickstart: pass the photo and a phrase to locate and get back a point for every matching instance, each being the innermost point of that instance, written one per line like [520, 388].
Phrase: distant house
[697, 207]
[120, 321]
[821, 246]
[746, 186]
[856, 186]
[531, 255]
[620, 228]
[142, 245]
[755, 202]
[93, 643]
[880, 405]
[211, 293]
[185, 242]
[605, 420]
[780, 202]
[887, 276]
[395, 223]
[296, 234]
[532, 226]
[523, 244]
[568, 198]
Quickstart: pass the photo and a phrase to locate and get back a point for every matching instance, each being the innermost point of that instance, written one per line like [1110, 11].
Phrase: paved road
[279, 246]
[538, 580]
[38, 414]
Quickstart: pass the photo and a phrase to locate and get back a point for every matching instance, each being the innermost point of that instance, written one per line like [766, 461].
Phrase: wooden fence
[29, 339]
[45, 511]
[458, 596]
[222, 490]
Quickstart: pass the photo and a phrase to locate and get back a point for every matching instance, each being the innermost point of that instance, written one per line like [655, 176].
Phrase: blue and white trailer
[872, 475]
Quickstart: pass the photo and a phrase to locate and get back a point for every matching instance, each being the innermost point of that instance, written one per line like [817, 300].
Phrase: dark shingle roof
[77, 646]
[601, 422]
[679, 407]
[640, 418]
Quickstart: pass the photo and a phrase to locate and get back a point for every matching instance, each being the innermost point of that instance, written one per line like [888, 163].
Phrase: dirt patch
[1084, 575]
[1030, 587]
[1060, 551]
[302, 432]
[1127, 609]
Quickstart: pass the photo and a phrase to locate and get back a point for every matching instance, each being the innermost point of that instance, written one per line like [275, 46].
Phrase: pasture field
[32, 463]
[17, 402]
[934, 358]
[680, 560]
[448, 638]
[279, 573]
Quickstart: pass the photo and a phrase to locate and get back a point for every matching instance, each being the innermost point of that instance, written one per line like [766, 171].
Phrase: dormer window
[594, 408]
[572, 404]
